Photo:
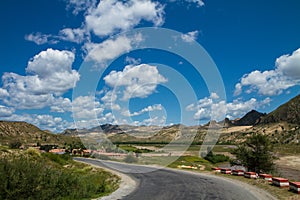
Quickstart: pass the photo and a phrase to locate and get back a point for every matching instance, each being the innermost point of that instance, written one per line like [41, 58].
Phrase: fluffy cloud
[61, 105]
[208, 108]
[289, 65]
[6, 111]
[104, 19]
[110, 49]
[154, 121]
[144, 110]
[109, 100]
[190, 36]
[49, 74]
[76, 35]
[88, 111]
[40, 38]
[80, 5]
[86, 107]
[138, 81]
[111, 16]
[285, 75]
[3, 93]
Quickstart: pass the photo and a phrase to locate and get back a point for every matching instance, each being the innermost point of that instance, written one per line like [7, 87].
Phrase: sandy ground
[289, 167]
[235, 129]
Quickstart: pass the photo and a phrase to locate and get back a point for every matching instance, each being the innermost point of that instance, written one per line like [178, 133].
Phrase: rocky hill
[288, 112]
[251, 118]
[107, 128]
[26, 133]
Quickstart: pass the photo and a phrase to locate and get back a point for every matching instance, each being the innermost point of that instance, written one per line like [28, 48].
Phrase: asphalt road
[165, 184]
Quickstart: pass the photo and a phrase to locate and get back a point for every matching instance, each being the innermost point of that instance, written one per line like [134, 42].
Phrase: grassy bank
[31, 175]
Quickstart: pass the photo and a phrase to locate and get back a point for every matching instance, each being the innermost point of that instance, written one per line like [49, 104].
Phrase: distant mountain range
[282, 125]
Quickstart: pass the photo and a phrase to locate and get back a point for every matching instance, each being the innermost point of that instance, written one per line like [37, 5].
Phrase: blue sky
[67, 63]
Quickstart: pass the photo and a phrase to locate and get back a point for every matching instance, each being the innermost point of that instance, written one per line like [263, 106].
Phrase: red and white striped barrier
[267, 177]
[238, 172]
[295, 187]
[280, 182]
[250, 175]
[216, 169]
[226, 171]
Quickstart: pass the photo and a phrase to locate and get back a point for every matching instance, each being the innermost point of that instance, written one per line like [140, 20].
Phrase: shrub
[130, 159]
[26, 176]
[33, 152]
[15, 145]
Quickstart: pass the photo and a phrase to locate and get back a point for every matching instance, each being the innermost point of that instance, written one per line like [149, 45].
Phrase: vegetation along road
[167, 183]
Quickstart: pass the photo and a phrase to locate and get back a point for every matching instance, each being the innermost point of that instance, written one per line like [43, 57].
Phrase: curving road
[165, 184]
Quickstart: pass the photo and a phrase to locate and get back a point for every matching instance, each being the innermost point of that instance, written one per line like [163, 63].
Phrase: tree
[255, 154]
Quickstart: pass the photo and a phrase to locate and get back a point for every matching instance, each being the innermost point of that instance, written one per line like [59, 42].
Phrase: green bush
[15, 145]
[26, 176]
[217, 158]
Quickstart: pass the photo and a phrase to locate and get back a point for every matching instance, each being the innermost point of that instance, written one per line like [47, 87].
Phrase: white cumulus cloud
[273, 82]
[49, 74]
[110, 49]
[208, 108]
[6, 111]
[111, 16]
[86, 107]
[289, 65]
[138, 81]
[127, 113]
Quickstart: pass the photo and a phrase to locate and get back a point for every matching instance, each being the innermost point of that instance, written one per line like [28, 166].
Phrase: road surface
[165, 184]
